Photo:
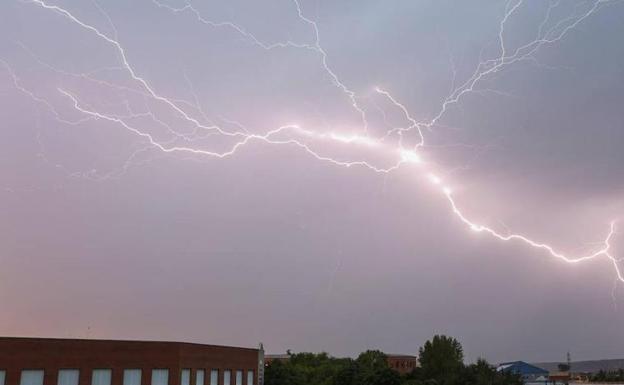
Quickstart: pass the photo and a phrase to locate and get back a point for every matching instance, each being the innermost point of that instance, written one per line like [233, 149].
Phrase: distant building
[585, 367]
[402, 363]
[268, 358]
[52, 361]
[529, 373]
[559, 377]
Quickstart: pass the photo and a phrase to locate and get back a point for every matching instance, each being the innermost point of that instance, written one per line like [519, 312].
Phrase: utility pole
[569, 362]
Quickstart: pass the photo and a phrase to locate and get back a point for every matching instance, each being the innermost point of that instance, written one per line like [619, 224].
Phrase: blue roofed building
[530, 373]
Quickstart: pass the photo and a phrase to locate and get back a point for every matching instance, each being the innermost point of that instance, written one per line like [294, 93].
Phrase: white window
[239, 377]
[226, 377]
[31, 377]
[185, 378]
[132, 377]
[199, 377]
[214, 377]
[2, 377]
[68, 377]
[250, 377]
[160, 377]
[101, 377]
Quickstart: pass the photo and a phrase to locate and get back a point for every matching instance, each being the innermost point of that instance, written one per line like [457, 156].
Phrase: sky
[315, 175]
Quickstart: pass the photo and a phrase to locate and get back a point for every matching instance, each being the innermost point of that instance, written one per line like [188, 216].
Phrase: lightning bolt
[295, 135]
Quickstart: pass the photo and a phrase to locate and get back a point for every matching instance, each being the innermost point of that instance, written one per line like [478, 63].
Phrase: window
[101, 377]
[250, 377]
[214, 377]
[68, 377]
[31, 377]
[239, 377]
[2, 377]
[132, 377]
[160, 377]
[226, 377]
[199, 377]
[185, 378]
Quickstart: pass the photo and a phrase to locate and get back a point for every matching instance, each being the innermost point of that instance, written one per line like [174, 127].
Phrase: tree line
[441, 362]
[608, 376]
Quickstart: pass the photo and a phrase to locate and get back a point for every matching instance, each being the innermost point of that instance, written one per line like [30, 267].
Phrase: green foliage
[441, 361]
[372, 369]
[611, 376]
[279, 373]
[305, 369]
[482, 373]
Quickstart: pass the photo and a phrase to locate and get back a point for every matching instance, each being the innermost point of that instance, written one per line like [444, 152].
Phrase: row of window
[403, 364]
[133, 377]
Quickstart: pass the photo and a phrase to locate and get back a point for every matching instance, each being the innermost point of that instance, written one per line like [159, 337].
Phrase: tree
[372, 360]
[279, 373]
[346, 374]
[372, 369]
[482, 373]
[509, 378]
[479, 373]
[309, 369]
[442, 359]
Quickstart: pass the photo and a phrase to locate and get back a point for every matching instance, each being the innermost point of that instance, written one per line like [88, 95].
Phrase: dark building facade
[50, 361]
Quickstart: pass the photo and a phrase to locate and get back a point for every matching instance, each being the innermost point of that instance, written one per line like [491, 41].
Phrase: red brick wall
[54, 354]
[402, 364]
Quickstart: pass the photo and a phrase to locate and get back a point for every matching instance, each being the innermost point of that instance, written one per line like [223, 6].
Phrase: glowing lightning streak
[405, 156]
[502, 28]
[413, 122]
[129, 68]
[524, 52]
[316, 46]
[242, 31]
[334, 77]
[604, 251]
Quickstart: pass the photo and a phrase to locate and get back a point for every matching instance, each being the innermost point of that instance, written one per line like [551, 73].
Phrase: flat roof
[97, 340]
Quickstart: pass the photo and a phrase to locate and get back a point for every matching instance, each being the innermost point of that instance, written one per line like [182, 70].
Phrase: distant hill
[585, 366]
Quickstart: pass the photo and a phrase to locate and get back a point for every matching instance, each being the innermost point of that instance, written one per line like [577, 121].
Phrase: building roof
[559, 376]
[52, 354]
[404, 356]
[277, 356]
[521, 367]
[107, 341]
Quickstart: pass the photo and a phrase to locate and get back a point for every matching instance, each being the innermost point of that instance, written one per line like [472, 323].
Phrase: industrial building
[51, 361]
[530, 373]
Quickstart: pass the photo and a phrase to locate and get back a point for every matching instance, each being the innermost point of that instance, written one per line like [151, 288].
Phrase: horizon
[270, 353]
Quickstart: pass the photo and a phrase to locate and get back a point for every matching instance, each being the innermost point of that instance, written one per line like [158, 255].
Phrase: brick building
[402, 363]
[51, 361]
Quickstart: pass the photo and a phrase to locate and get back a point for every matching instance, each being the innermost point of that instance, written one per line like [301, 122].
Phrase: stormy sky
[146, 194]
